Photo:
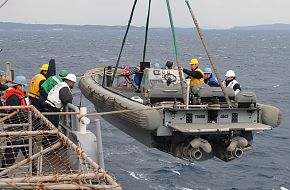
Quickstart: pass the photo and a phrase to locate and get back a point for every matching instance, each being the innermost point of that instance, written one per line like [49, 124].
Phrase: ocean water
[261, 60]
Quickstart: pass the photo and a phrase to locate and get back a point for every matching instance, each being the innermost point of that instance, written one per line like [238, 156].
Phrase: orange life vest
[24, 100]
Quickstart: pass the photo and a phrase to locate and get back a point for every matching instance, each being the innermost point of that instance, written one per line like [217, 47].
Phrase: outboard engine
[233, 150]
[196, 150]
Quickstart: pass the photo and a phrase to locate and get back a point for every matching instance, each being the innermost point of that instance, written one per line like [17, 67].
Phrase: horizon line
[154, 27]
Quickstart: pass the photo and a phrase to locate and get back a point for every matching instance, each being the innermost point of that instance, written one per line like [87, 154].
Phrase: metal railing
[70, 121]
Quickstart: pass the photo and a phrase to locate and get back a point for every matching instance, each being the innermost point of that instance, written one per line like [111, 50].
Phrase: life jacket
[195, 81]
[34, 85]
[50, 83]
[231, 85]
[24, 100]
[125, 71]
[212, 79]
[53, 96]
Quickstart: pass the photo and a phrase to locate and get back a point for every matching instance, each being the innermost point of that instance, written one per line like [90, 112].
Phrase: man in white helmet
[231, 81]
[57, 98]
[60, 95]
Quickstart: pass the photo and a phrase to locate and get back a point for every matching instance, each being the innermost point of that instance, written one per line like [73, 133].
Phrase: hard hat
[63, 73]
[230, 73]
[71, 77]
[193, 62]
[207, 70]
[44, 67]
[156, 65]
[20, 80]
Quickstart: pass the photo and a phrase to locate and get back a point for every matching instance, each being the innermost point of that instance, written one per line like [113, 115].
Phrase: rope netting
[36, 155]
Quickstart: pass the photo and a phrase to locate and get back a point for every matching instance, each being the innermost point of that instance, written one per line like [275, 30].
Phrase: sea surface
[261, 60]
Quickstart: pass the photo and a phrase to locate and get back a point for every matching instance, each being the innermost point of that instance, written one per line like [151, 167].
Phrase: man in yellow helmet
[35, 84]
[196, 74]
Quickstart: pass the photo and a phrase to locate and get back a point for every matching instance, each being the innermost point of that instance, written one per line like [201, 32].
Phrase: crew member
[52, 82]
[196, 74]
[35, 85]
[15, 96]
[231, 81]
[209, 78]
[59, 96]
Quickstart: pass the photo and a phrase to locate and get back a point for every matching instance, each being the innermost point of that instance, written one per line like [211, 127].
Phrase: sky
[218, 14]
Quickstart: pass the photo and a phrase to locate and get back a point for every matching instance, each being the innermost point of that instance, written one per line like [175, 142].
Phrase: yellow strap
[33, 95]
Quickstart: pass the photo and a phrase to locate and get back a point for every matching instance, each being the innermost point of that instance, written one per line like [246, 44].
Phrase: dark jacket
[3, 87]
[195, 74]
[212, 81]
[65, 95]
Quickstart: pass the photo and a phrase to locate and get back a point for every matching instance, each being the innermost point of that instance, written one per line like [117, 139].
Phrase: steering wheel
[170, 77]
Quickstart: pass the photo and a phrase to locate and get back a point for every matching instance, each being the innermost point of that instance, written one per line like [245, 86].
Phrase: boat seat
[214, 94]
[246, 99]
[161, 93]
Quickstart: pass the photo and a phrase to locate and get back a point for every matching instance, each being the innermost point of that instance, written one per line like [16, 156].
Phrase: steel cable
[3, 3]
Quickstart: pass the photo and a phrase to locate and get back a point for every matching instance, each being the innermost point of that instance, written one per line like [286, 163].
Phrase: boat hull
[138, 124]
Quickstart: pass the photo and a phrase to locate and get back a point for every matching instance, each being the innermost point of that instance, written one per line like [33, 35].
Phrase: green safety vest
[50, 83]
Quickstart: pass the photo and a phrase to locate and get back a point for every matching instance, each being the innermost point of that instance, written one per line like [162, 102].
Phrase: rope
[183, 88]
[123, 111]
[124, 40]
[106, 113]
[146, 31]
[3, 3]
[210, 57]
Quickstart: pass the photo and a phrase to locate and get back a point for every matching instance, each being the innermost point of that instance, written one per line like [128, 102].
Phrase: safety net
[36, 155]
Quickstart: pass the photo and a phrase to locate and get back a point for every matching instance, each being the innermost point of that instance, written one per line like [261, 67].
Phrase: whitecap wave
[103, 60]
[74, 55]
[176, 172]
[138, 176]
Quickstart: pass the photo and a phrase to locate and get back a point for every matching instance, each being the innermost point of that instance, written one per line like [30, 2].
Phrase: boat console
[160, 85]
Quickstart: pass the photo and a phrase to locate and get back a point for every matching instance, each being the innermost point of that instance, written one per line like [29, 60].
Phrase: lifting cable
[3, 3]
[124, 40]
[210, 57]
[183, 88]
[146, 31]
